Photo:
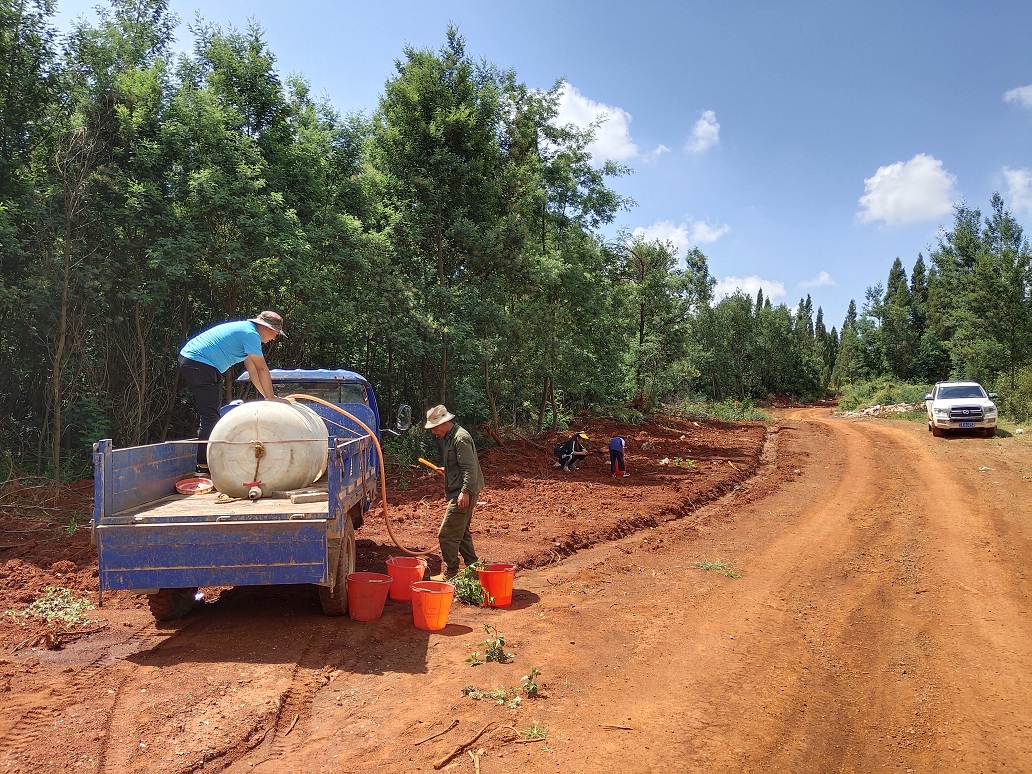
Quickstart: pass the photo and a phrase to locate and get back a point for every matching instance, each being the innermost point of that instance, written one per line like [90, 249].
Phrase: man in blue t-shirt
[209, 354]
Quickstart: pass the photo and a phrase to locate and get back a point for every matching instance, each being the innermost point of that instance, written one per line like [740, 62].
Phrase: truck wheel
[936, 431]
[990, 432]
[170, 604]
[334, 601]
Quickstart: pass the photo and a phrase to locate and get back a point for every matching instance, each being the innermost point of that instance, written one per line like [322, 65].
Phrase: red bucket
[431, 601]
[404, 571]
[496, 580]
[367, 593]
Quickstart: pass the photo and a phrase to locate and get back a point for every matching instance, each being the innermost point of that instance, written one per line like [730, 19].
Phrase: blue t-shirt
[617, 444]
[224, 345]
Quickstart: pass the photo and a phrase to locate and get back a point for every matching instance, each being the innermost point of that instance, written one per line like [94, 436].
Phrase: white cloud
[908, 192]
[612, 138]
[650, 158]
[1019, 189]
[1022, 95]
[684, 236]
[772, 289]
[822, 280]
[705, 133]
[704, 233]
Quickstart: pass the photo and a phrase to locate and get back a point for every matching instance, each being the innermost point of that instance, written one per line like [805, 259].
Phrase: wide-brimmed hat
[270, 320]
[583, 435]
[438, 415]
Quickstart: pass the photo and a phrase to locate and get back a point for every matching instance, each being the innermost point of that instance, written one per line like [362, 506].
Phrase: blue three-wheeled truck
[155, 541]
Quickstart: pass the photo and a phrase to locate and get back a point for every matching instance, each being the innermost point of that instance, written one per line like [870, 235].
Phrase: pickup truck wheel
[334, 601]
[170, 604]
[936, 431]
[990, 432]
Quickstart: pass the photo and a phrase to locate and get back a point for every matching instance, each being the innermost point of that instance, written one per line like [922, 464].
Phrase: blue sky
[802, 145]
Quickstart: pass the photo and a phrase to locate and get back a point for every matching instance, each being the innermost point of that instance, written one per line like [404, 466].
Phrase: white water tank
[281, 445]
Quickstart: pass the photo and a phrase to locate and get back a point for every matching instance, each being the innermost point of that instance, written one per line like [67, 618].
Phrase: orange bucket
[404, 571]
[431, 601]
[496, 580]
[367, 593]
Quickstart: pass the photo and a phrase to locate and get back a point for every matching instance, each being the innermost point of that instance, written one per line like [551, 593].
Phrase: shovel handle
[431, 465]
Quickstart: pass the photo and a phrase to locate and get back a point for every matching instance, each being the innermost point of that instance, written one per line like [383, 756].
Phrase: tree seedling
[529, 685]
[494, 649]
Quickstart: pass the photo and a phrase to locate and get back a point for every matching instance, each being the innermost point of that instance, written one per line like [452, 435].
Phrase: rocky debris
[879, 410]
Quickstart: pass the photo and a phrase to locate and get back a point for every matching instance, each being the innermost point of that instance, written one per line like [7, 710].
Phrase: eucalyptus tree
[662, 300]
[101, 199]
[435, 148]
[781, 365]
[339, 276]
[30, 116]
[726, 341]
[123, 87]
[29, 89]
[573, 325]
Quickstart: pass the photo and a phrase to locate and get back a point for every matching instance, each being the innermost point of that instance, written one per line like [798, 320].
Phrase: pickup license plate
[966, 424]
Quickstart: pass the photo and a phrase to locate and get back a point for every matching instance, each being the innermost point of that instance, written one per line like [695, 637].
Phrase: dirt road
[867, 607]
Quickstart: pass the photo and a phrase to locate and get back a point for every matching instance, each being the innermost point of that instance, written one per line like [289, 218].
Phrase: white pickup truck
[960, 406]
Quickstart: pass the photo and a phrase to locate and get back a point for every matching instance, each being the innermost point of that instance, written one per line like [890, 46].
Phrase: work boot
[445, 575]
[202, 471]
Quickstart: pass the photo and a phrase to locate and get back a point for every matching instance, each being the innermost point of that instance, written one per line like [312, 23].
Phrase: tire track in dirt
[96, 685]
[128, 741]
[213, 705]
[311, 673]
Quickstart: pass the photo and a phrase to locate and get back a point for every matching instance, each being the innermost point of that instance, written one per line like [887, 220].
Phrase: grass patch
[724, 568]
[535, 731]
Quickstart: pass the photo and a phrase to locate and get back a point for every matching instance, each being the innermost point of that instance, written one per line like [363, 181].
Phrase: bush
[728, 410]
[1016, 403]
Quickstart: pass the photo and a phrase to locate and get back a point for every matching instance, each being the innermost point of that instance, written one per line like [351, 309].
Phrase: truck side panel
[145, 556]
[127, 478]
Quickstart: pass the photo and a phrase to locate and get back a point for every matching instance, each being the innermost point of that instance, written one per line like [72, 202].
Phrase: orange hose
[383, 475]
